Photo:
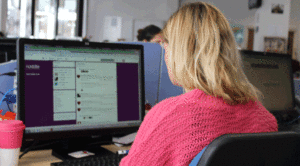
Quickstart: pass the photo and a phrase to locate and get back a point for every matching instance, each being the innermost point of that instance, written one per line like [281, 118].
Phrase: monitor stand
[66, 147]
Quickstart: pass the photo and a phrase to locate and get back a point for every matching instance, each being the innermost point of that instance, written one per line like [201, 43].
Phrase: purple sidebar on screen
[128, 91]
[39, 95]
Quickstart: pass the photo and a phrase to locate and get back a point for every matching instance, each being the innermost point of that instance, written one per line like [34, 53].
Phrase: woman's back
[178, 128]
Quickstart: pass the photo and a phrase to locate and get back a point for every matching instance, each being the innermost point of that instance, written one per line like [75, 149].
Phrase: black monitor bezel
[9, 41]
[258, 55]
[74, 133]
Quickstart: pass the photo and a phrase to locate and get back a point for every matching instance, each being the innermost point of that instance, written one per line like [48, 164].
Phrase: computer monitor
[7, 50]
[272, 74]
[74, 90]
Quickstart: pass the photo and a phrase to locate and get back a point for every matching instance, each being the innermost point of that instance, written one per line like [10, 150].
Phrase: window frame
[79, 21]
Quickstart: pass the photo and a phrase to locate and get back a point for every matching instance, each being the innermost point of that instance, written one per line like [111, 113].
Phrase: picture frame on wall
[277, 8]
[275, 45]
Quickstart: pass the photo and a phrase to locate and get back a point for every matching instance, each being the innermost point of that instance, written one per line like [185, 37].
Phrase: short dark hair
[295, 65]
[2, 34]
[148, 32]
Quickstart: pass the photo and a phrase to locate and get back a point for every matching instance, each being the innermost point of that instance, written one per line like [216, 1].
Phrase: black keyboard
[107, 160]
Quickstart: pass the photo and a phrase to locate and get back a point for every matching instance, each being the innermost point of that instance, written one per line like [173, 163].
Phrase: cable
[8, 74]
[29, 148]
[6, 94]
[291, 122]
[33, 146]
[8, 107]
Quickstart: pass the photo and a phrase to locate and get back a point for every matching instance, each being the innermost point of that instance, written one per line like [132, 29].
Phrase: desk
[44, 157]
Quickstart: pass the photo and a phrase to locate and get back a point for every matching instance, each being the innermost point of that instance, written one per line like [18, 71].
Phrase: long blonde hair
[204, 54]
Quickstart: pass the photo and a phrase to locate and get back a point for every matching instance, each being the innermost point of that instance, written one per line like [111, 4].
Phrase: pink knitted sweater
[178, 128]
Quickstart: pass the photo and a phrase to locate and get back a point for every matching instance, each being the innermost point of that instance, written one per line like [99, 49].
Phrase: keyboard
[107, 160]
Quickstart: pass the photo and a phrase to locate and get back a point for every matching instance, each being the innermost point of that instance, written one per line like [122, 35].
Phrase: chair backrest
[256, 149]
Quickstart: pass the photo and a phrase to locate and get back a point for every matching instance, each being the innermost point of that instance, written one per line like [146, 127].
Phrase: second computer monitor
[271, 73]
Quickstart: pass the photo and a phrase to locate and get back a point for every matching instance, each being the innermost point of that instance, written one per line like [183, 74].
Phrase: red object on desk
[8, 115]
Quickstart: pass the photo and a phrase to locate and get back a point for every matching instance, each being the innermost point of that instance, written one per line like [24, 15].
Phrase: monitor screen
[70, 89]
[271, 73]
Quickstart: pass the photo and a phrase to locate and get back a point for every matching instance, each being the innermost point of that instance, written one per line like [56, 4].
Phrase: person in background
[295, 65]
[202, 57]
[2, 35]
[150, 33]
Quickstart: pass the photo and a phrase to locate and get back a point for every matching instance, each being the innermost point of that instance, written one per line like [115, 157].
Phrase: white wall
[236, 11]
[129, 10]
[3, 14]
[270, 24]
[294, 25]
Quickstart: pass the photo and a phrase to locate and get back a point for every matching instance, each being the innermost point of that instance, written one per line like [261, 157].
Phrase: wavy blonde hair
[204, 54]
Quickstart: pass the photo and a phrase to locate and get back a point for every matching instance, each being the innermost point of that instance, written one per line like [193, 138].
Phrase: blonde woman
[202, 57]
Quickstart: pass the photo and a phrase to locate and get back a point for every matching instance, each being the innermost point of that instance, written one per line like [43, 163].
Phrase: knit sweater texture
[178, 128]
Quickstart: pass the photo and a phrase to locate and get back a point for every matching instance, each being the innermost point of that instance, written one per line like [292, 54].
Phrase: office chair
[256, 149]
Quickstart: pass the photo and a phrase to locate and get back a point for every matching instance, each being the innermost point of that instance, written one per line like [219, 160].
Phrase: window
[44, 19]
[67, 18]
[13, 18]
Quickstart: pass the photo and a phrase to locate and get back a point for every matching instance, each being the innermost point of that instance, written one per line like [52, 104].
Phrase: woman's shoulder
[181, 100]
[198, 99]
